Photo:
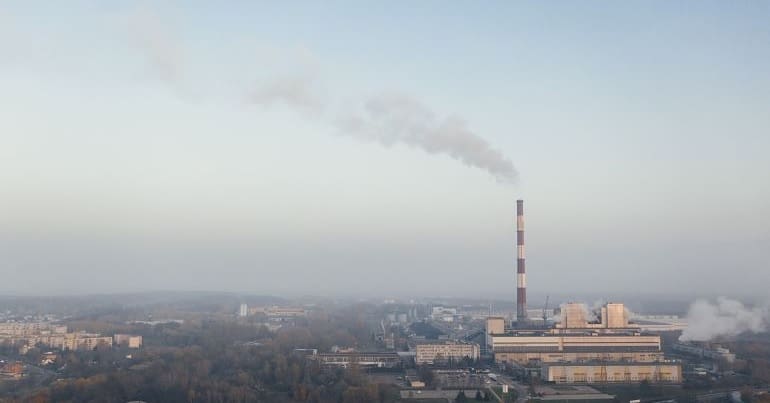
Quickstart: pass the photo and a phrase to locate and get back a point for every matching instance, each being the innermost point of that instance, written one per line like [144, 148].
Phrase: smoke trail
[162, 50]
[387, 119]
[726, 317]
[390, 119]
[297, 92]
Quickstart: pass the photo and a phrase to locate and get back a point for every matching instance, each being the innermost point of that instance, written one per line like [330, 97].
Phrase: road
[521, 390]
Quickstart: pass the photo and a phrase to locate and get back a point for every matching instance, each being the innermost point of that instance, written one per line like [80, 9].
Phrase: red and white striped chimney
[521, 271]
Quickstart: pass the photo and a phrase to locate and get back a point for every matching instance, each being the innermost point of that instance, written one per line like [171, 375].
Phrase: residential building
[431, 353]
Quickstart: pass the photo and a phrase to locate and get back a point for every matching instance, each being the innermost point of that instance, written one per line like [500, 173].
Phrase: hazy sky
[369, 147]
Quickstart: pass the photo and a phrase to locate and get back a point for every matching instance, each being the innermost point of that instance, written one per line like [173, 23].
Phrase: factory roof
[577, 349]
[360, 353]
[574, 332]
[610, 363]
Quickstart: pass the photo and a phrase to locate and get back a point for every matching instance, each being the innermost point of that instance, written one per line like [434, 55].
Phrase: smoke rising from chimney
[396, 118]
[163, 52]
[297, 92]
[387, 119]
[725, 317]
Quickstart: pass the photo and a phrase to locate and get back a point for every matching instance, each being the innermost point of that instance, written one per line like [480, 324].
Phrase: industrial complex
[569, 344]
[582, 345]
[425, 348]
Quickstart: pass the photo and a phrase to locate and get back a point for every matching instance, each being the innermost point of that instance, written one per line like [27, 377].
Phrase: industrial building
[440, 313]
[611, 316]
[615, 372]
[574, 339]
[362, 359]
[432, 353]
[704, 350]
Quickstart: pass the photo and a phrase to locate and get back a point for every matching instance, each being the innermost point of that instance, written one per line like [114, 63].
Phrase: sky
[378, 148]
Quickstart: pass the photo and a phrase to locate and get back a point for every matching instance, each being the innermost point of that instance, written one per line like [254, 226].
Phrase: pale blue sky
[191, 145]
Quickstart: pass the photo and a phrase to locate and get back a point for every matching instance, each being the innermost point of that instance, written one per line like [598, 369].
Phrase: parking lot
[463, 379]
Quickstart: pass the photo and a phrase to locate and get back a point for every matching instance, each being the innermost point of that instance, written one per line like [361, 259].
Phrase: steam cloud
[390, 119]
[727, 317]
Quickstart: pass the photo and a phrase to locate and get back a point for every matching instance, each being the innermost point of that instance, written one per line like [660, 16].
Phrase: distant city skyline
[342, 148]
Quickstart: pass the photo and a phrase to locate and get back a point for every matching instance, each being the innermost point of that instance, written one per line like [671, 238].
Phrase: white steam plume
[390, 119]
[725, 317]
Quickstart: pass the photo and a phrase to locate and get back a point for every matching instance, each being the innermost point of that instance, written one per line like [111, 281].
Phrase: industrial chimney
[521, 272]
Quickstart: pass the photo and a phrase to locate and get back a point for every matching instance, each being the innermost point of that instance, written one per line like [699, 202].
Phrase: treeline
[211, 361]
[240, 375]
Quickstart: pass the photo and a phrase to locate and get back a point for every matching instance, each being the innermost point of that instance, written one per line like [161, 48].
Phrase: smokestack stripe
[521, 273]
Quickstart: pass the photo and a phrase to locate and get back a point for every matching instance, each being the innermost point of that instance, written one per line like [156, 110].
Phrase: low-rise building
[616, 372]
[525, 347]
[362, 359]
[48, 358]
[430, 353]
[416, 384]
[718, 353]
[12, 369]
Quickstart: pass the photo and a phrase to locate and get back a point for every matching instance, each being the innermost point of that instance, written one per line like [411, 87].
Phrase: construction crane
[545, 309]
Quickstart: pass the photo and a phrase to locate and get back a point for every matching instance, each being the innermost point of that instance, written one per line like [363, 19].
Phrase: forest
[216, 360]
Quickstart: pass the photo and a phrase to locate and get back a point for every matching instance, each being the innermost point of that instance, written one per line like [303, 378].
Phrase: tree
[645, 389]
[461, 397]
[747, 394]
[478, 395]
[426, 375]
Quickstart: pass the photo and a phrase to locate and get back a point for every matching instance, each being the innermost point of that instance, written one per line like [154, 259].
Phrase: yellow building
[85, 341]
[613, 373]
[580, 335]
[612, 315]
[545, 347]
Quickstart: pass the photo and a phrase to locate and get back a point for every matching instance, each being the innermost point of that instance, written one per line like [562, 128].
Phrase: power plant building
[575, 339]
[611, 316]
[583, 346]
[617, 372]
